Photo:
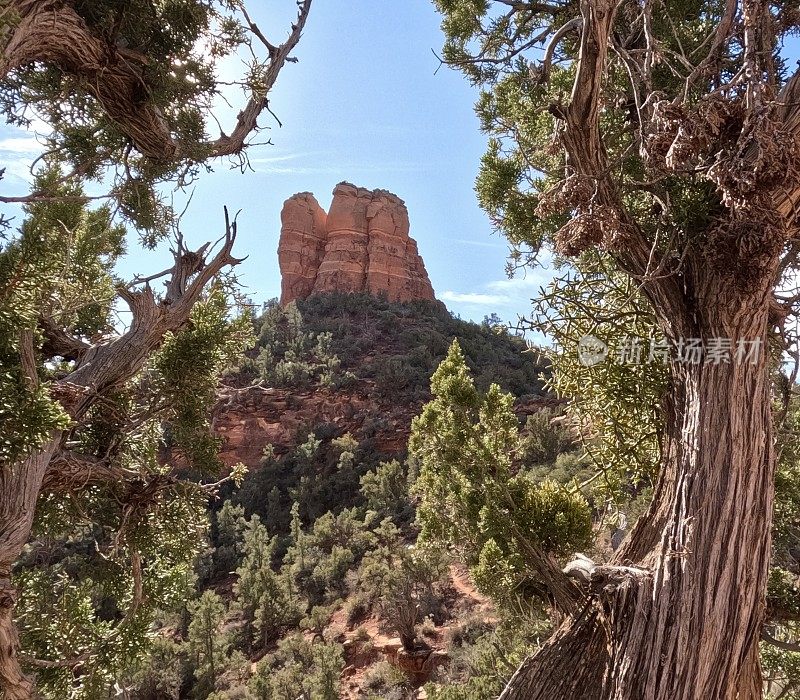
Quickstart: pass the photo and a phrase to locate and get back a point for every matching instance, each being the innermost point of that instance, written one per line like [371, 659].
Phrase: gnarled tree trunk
[680, 618]
[52, 32]
[19, 489]
[99, 368]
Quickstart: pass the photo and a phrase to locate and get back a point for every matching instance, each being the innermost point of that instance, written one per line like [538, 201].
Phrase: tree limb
[547, 62]
[137, 597]
[786, 646]
[59, 343]
[587, 159]
[563, 592]
[114, 362]
[72, 471]
[247, 120]
[53, 33]
[28, 360]
[788, 201]
[721, 35]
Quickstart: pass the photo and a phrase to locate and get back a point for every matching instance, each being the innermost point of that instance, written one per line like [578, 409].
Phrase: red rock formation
[247, 419]
[417, 663]
[346, 253]
[302, 245]
[361, 246]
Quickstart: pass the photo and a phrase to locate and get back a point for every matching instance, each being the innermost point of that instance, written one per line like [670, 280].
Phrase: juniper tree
[92, 406]
[127, 90]
[262, 594]
[299, 668]
[229, 538]
[665, 136]
[508, 526]
[98, 531]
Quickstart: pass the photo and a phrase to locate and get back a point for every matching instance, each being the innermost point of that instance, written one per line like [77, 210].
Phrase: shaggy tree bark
[101, 368]
[678, 613]
[685, 623]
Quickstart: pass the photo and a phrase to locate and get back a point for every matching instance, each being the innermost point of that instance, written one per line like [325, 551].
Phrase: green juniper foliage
[615, 405]
[208, 645]
[106, 438]
[289, 355]
[668, 167]
[385, 490]
[263, 596]
[58, 267]
[472, 496]
[300, 668]
[484, 657]
[186, 371]
[82, 603]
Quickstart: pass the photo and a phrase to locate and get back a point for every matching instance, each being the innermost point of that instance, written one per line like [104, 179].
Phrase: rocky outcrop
[302, 245]
[247, 419]
[361, 245]
[419, 663]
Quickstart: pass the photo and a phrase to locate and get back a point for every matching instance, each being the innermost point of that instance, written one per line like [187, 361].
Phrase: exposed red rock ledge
[360, 245]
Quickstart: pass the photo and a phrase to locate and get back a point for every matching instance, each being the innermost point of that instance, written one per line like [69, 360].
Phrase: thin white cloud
[18, 148]
[473, 298]
[17, 167]
[271, 169]
[504, 294]
[22, 145]
[519, 285]
[480, 244]
[267, 160]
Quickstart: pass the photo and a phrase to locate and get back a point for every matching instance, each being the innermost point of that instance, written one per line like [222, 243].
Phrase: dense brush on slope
[399, 345]
[352, 367]
[311, 568]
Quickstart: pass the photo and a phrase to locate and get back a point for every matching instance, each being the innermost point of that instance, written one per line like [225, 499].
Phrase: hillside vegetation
[311, 582]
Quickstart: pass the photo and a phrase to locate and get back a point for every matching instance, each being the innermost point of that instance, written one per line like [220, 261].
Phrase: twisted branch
[52, 32]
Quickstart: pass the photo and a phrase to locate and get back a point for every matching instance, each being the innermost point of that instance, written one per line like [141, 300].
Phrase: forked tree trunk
[681, 617]
[19, 487]
[101, 368]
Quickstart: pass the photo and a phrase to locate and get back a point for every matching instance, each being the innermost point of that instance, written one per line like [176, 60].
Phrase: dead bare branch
[54, 33]
[111, 363]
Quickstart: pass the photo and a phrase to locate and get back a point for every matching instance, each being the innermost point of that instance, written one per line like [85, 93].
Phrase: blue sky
[364, 104]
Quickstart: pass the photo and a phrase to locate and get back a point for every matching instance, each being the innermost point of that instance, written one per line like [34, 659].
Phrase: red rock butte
[360, 245]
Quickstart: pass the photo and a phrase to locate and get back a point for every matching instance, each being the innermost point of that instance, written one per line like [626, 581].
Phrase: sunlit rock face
[361, 245]
[302, 245]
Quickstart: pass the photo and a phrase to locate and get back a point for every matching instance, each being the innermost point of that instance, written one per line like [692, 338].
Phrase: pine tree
[231, 525]
[207, 645]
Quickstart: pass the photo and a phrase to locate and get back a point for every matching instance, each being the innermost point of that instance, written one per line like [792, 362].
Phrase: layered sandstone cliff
[302, 245]
[360, 245]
